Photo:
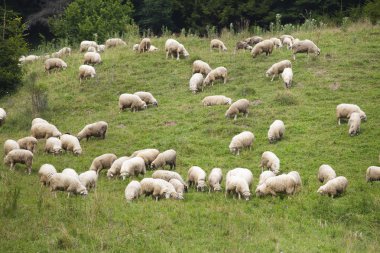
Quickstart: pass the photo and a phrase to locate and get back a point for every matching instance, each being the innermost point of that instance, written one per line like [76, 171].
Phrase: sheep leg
[338, 121]
[272, 78]
[294, 57]
[235, 117]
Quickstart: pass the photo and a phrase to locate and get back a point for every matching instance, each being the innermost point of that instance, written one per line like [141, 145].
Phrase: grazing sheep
[86, 71]
[70, 172]
[217, 73]
[71, 143]
[152, 48]
[265, 46]
[114, 42]
[276, 131]
[131, 101]
[305, 46]
[62, 52]
[215, 43]
[279, 184]
[344, 111]
[354, 124]
[167, 175]
[164, 189]
[202, 67]
[29, 58]
[44, 130]
[45, 173]
[297, 178]
[238, 185]
[101, 48]
[244, 173]
[133, 191]
[147, 186]
[10, 145]
[252, 41]
[288, 42]
[278, 68]
[373, 174]
[216, 100]
[19, 156]
[62, 182]
[84, 45]
[28, 143]
[282, 37]
[271, 161]
[239, 106]
[88, 179]
[326, 173]
[196, 82]
[287, 76]
[144, 45]
[54, 63]
[91, 49]
[334, 187]
[102, 162]
[167, 157]
[242, 45]
[215, 179]
[53, 145]
[147, 97]
[135, 47]
[240, 141]
[39, 120]
[174, 47]
[97, 129]
[92, 58]
[265, 175]
[132, 167]
[276, 42]
[178, 186]
[197, 176]
[114, 171]
[149, 155]
[3, 115]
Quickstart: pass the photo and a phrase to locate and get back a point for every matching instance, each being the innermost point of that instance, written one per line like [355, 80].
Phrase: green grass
[32, 220]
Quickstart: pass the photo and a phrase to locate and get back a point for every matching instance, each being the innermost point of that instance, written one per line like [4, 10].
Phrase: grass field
[347, 71]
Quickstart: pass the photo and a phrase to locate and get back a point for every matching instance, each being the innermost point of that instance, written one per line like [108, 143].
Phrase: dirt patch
[257, 102]
[120, 126]
[334, 86]
[170, 123]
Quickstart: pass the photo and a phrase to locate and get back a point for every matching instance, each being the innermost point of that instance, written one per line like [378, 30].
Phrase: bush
[372, 10]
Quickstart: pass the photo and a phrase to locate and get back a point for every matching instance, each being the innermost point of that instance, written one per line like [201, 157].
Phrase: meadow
[347, 71]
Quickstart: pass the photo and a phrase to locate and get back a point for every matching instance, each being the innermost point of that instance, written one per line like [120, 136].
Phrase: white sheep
[92, 58]
[238, 185]
[54, 63]
[144, 45]
[86, 71]
[114, 171]
[167, 175]
[29, 58]
[39, 120]
[196, 176]
[334, 187]
[271, 161]
[167, 157]
[101, 48]
[132, 167]
[243, 140]
[71, 143]
[84, 45]
[19, 156]
[10, 145]
[62, 52]
[62, 182]
[276, 131]
[297, 178]
[277, 42]
[215, 179]
[372, 174]
[45, 173]
[288, 42]
[354, 124]
[131, 101]
[44, 130]
[174, 47]
[217, 73]
[253, 40]
[114, 42]
[202, 67]
[152, 48]
[3, 116]
[133, 191]
[178, 186]
[282, 37]
[70, 172]
[287, 77]
[147, 186]
[164, 189]
[244, 173]
[88, 179]
[216, 100]
[265, 46]
[97, 129]
[284, 183]
[305, 46]
[265, 175]
[196, 82]
[147, 97]
[326, 173]
[239, 106]
[53, 145]
[242, 45]
[28, 143]
[135, 47]
[344, 111]
[91, 49]
[148, 154]
[215, 43]
[278, 68]
[102, 162]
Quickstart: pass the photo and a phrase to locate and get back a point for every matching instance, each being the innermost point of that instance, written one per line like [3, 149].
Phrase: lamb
[287, 76]
[62, 52]
[252, 41]
[19, 156]
[354, 124]
[45, 173]
[178, 186]
[114, 42]
[297, 179]
[88, 179]
[271, 161]
[135, 47]
[101, 48]
[54, 63]
[242, 45]
[216, 100]
[116, 166]
[282, 37]
[288, 42]
[62, 182]
[84, 45]
[39, 120]
[133, 191]
[29, 58]
[10, 145]
[326, 173]
[102, 162]
[86, 71]
[265, 175]
[196, 82]
[44, 130]
[240, 141]
[147, 97]
[279, 184]
[174, 47]
[305, 46]
[215, 43]
[91, 49]
[3, 115]
[132, 167]
[147, 186]
[149, 155]
[70, 172]
[217, 73]
[334, 187]
[202, 67]
[167, 175]
[244, 173]
[239, 106]
[163, 189]
[238, 185]
[276, 131]
[71, 143]
[152, 48]
[197, 177]
[276, 42]
[167, 157]
[373, 174]
[215, 179]
[265, 46]
[53, 145]
[278, 68]
[28, 143]
[92, 58]
[144, 45]
[97, 129]
[131, 101]
[344, 111]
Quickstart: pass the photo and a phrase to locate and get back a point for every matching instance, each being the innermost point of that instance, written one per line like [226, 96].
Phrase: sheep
[70, 172]
[97, 129]
[147, 186]
[88, 179]
[115, 167]
[149, 155]
[202, 67]
[271, 161]
[297, 178]
[147, 97]
[44, 130]
[276, 131]
[215, 179]
[54, 63]
[216, 100]
[135, 47]
[217, 73]
[279, 184]
[354, 124]
[19, 156]
[238, 185]
[132, 167]
[239, 106]
[53, 145]
[305, 46]
[215, 43]
[84, 45]
[91, 49]
[133, 191]
[62, 52]
[152, 48]
[287, 76]
[45, 173]
[288, 42]
[344, 111]
[131, 101]
[197, 176]
[29, 58]
[167, 157]
[178, 186]
[102, 162]
[92, 58]
[28, 143]
[196, 82]
[244, 173]
[242, 45]
[278, 68]
[174, 47]
[265, 46]
[326, 173]
[276, 42]
[39, 120]
[101, 48]
[164, 189]
[167, 175]
[144, 45]
[265, 175]
[3, 116]
[334, 187]
[71, 143]
[372, 174]
[282, 37]
[62, 182]
[252, 41]
[114, 42]
[86, 71]
[240, 141]
[10, 145]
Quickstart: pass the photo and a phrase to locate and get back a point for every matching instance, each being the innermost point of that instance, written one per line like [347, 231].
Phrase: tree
[155, 14]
